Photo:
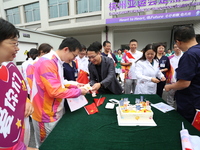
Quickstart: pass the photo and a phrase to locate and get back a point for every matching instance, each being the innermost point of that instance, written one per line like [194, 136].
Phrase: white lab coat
[144, 73]
[24, 67]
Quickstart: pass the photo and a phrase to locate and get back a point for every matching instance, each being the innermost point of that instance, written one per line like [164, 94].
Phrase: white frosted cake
[130, 113]
[133, 115]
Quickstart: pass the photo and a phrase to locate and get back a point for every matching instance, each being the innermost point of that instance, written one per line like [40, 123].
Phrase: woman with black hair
[164, 65]
[147, 72]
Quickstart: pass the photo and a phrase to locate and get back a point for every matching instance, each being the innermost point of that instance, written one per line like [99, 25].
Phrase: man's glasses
[91, 57]
[74, 54]
[14, 44]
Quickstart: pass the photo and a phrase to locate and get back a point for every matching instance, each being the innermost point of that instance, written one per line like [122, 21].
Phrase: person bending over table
[49, 89]
[102, 71]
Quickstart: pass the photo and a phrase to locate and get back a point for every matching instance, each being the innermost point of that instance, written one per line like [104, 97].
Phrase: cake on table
[132, 115]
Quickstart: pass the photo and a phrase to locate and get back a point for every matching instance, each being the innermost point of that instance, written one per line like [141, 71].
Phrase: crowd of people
[53, 76]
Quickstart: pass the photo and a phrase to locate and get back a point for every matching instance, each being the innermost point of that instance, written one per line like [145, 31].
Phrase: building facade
[119, 21]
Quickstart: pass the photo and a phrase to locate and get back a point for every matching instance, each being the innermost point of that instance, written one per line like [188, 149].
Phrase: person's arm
[139, 75]
[124, 61]
[138, 71]
[111, 74]
[126, 64]
[167, 65]
[114, 57]
[179, 85]
[29, 108]
[92, 77]
[50, 81]
[161, 76]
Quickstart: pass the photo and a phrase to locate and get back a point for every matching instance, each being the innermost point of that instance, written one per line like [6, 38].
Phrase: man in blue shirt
[188, 73]
[107, 51]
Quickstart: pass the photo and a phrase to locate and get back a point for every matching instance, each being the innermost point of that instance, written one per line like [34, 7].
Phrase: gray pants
[42, 130]
[170, 98]
[129, 86]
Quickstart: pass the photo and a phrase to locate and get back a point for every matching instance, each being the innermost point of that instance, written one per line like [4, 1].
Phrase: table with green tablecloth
[100, 131]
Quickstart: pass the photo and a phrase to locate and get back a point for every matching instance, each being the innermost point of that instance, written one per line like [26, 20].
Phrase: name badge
[162, 65]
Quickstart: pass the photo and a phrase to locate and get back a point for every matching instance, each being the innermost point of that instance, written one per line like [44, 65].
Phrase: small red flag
[91, 109]
[83, 77]
[76, 62]
[196, 121]
[129, 55]
[99, 101]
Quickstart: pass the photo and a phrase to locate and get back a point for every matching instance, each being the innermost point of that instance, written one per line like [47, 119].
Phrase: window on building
[32, 12]
[58, 8]
[85, 6]
[13, 15]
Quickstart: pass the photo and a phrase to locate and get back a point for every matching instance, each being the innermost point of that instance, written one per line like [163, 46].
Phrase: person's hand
[155, 80]
[162, 70]
[94, 93]
[83, 91]
[29, 109]
[96, 86]
[167, 87]
[129, 63]
[163, 79]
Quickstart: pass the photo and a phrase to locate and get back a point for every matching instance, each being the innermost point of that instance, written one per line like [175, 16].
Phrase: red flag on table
[91, 109]
[196, 121]
[129, 55]
[83, 77]
[99, 101]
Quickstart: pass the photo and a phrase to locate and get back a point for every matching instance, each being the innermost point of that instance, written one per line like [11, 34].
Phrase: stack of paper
[163, 107]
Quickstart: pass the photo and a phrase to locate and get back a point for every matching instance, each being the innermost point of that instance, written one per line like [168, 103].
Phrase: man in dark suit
[102, 71]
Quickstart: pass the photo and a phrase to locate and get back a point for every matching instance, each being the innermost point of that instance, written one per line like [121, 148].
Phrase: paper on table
[162, 107]
[76, 103]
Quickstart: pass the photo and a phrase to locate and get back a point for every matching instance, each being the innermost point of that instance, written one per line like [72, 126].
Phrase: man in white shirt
[82, 66]
[128, 61]
[82, 61]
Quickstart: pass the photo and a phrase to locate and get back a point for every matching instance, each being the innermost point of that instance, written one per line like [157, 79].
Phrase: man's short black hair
[83, 47]
[95, 46]
[105, 42]
[71, 43]
[7, 30]
[133, 40]
[184, 33]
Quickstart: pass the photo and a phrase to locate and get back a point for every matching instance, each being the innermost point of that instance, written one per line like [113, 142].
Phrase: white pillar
[22, 14]
[72, 10]
[44, 14]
